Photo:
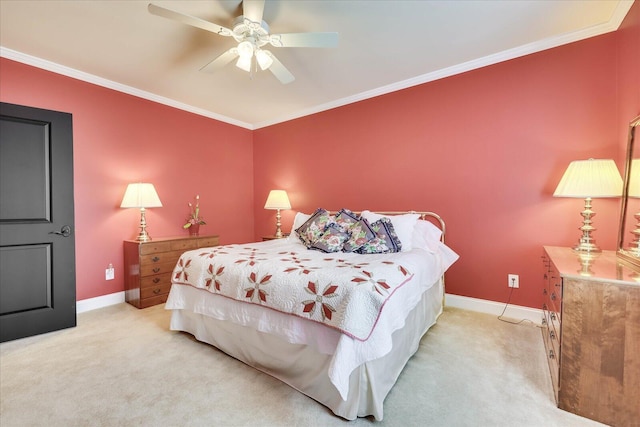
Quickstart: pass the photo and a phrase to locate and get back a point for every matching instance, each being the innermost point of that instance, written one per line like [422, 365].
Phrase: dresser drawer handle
[553, 296]
[155, 259]
[552, 315]
[552, 334]
[544, 292]
[157, 291]
[157, 269]
[156, 280]
[551, 355]
[544, 307]
[544, 320]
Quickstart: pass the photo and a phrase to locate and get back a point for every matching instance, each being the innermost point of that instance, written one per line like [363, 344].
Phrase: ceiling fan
[252, 34]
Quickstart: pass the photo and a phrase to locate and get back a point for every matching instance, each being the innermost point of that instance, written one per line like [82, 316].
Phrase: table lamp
[141, 195]
[278, 199]
[593, 178]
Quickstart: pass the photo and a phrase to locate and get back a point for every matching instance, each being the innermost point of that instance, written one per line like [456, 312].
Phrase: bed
[337, 326]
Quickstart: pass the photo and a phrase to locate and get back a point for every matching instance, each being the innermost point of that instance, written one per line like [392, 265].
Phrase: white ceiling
[383, 46]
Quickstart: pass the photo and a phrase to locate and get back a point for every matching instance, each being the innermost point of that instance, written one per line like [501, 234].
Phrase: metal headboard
[423, 215]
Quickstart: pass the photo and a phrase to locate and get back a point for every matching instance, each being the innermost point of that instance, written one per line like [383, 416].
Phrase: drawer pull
[551, 355]
[544, 307]
[156, 270]
[552, 334]
[544, 292]
[156, 291]
[552, 315]
[544, 320]
[553, 296]
[155, 259]
[156, 280]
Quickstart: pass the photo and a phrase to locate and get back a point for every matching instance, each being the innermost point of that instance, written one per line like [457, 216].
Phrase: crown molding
[109, 84]
[611, 25]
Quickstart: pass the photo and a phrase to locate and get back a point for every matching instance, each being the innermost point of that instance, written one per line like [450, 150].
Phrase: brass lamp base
[279, 234]
[587, 243]
[143, 236]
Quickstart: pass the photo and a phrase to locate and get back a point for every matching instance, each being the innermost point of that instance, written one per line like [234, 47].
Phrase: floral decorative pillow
[403, 225]
[360, 233]
[331, 240]
[385, 241]
[313, 228]
[346, 219]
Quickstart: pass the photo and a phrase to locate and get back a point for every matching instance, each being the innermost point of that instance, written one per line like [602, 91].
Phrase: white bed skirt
[304, 368]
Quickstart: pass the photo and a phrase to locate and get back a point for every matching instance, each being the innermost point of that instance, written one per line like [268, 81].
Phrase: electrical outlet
[514, 281]
[110, 273]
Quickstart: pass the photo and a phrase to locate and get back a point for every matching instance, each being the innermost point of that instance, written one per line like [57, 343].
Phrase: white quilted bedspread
[344, 291]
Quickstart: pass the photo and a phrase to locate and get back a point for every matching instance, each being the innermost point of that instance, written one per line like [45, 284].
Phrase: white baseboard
[515, 312]
[99, 302]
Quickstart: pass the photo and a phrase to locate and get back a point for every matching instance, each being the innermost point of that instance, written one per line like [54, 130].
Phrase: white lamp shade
[141, 195]
[590, 178]
[634, 179]
[277, 199]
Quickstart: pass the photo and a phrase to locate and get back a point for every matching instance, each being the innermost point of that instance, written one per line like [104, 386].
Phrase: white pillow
[426, 236]
[402, 224]
[298, 220]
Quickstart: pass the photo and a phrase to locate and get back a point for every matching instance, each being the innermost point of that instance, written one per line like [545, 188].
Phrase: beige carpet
[122, 367]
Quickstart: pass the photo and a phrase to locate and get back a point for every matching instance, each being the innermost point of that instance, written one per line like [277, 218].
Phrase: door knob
[65, 231]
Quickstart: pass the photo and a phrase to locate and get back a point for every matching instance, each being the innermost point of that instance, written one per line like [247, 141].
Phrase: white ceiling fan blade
[220, 61]
[279, 70]
[253, 10]
[304, 40]
[189, 20]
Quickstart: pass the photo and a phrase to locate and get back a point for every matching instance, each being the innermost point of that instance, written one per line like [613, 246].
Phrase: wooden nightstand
[273, 237]
[148, 266]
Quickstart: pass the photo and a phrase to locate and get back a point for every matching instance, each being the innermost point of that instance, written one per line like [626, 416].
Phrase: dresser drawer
[183, 245]
[160, 258]
[159, 268]
[149, 302]
[155, 280]
[160, 289]
[208, 242]
[154, 247]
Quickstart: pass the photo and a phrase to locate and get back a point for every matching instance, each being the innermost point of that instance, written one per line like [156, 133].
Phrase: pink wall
[120, 139]
[485, 149]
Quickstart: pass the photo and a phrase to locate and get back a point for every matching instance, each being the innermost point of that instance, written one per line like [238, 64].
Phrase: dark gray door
[37, 248]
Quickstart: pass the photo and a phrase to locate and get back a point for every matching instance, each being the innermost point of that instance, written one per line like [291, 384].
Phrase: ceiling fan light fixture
[245, 49]
[264, 59]
[244, 63]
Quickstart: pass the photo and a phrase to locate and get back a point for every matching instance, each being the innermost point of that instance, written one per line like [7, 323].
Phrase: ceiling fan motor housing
[246, 30]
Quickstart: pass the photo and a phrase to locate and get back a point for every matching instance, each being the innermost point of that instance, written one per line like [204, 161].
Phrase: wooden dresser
[591, 333]
[148, 266]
